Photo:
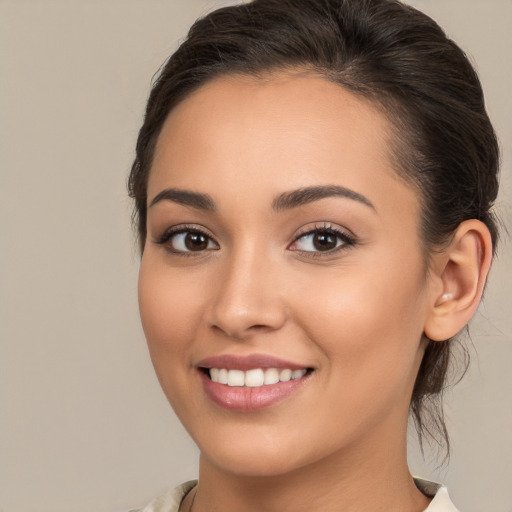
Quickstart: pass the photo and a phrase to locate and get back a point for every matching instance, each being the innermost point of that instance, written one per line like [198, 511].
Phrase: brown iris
[196, 242]
[324, 241]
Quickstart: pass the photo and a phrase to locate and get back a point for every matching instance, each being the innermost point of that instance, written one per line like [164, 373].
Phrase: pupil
[196, 242]
[324, 241]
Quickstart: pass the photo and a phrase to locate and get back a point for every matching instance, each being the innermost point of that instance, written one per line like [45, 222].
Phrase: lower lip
[247, 399]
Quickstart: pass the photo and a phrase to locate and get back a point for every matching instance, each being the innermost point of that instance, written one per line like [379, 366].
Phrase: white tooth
[285, 375]
[271, 376]
[254, 378]
[236, 378]
[223, 376]
[214, 374]
[297, 374]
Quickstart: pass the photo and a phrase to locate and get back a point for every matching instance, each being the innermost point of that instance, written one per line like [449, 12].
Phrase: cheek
[170, 308]
[372, 356]
[368, 325]
[357, 302]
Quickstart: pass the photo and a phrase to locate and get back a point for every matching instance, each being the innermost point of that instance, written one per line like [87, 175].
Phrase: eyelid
[168, 233]
[345, 235]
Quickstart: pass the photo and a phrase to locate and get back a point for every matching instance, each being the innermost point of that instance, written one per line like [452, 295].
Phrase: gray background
[83, 423]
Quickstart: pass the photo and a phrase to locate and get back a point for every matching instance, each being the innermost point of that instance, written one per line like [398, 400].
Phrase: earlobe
[460, 272]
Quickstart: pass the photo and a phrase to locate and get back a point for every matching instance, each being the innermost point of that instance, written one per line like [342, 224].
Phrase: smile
[256, 377]
[251, 383]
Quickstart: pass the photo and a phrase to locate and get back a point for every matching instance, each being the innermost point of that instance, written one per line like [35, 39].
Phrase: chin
[254, 455]
[254, 466]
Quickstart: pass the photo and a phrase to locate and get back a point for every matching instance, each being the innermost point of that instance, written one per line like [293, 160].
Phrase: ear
[459, 273]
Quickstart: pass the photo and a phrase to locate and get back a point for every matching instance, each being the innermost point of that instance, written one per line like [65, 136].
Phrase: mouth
[255, 377]
[246, 384]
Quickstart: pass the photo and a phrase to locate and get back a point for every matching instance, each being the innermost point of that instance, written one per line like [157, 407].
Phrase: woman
[313, 186]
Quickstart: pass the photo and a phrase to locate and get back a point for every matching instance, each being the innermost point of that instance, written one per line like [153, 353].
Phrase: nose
[247, 298]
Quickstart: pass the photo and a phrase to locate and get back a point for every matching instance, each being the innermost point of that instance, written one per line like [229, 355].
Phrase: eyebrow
[302, 196]
[285, 201]
[186, 198]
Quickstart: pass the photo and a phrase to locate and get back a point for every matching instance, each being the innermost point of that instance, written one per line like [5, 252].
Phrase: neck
[356, 479]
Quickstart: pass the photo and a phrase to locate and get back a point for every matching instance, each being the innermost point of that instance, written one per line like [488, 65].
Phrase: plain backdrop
[84, 425]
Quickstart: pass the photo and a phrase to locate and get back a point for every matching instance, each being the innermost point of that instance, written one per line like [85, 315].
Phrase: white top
[171, 501]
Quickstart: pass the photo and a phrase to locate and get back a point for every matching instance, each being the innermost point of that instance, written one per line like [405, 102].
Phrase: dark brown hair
[390, 53]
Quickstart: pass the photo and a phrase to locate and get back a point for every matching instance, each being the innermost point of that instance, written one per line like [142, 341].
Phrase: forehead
[279, 132]
[285, 104]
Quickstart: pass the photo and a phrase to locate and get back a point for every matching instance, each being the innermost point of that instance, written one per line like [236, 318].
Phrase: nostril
[241, 315]
[241, 332]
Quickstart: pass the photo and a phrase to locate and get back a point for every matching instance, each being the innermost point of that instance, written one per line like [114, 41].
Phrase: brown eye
[324, 241]
[187, 241]
[196, 241]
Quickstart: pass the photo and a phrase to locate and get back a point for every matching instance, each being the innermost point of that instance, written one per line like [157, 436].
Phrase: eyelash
[177, 230]
[346, 239]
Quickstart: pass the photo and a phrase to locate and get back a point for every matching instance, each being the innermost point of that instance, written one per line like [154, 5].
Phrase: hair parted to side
[395, 56]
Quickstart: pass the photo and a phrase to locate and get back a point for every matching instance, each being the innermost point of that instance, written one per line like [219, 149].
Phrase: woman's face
[280, 241]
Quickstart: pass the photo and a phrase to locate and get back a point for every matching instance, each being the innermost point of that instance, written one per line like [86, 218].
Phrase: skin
[356, 314]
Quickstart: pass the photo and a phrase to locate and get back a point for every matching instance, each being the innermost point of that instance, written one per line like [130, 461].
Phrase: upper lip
[249, 362]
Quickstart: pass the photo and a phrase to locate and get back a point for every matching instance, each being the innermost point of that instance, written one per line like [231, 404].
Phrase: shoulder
[441, 501]
[169, 502]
